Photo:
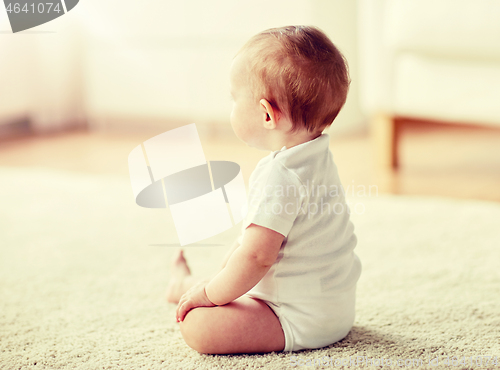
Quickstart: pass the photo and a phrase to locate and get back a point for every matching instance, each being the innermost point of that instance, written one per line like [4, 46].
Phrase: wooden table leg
[385, 139]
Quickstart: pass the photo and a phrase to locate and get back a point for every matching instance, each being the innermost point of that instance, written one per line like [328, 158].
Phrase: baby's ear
[269, 115]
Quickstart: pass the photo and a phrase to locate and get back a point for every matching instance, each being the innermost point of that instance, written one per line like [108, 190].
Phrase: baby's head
[295, 79]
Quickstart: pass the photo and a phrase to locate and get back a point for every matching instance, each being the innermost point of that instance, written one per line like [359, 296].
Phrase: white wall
[40, 74]
[151, 61]
[338, 18]
[171, 59]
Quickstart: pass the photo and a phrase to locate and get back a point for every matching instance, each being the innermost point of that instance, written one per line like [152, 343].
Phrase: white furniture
[429, 60]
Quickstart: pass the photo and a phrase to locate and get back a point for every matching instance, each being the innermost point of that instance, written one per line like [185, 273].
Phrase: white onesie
[311, 285]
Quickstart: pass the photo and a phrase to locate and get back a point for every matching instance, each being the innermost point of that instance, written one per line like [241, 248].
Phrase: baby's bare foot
[179, 271]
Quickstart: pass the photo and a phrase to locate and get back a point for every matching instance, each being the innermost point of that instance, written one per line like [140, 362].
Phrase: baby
[288, 283]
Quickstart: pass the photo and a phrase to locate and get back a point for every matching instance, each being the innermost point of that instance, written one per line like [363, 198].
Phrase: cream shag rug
[83, 272]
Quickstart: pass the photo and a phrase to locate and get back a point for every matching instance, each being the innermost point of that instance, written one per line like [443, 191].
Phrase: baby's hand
[194, 297]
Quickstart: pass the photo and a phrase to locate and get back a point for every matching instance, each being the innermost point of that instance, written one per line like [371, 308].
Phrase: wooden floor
[436, 160]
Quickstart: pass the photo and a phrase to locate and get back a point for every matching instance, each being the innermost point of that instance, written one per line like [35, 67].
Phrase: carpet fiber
[83, 272]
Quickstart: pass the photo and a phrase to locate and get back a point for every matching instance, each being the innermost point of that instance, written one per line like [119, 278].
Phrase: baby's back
[298, 193]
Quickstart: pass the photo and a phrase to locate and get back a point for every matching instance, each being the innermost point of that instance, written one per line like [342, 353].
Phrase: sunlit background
[424, 96]
[158, 60]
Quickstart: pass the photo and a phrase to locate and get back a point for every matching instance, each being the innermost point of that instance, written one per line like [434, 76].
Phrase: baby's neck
[290, 140]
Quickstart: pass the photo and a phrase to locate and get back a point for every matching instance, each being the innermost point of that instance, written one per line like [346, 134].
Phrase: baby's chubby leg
[246, 325]
[181, 279]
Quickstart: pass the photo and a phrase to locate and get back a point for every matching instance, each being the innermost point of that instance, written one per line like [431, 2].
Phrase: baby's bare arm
[246, 265]
[229, 253]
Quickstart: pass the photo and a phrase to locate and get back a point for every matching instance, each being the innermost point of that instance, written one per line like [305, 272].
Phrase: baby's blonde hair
[300, 72]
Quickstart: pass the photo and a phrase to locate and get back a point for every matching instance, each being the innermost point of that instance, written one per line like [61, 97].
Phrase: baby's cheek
[236, 124]
[232, 119]
[234, 116]
[240, 132]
